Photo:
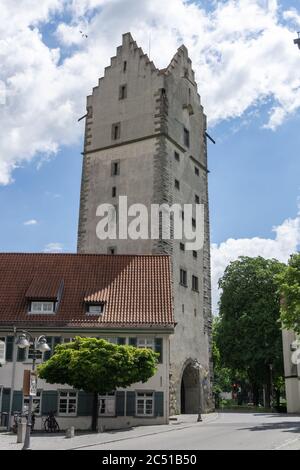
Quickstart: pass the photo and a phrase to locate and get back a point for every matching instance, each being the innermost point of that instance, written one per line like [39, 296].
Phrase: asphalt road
[226, 431]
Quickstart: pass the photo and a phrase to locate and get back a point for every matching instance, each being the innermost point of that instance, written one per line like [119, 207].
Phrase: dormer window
[95, 309]
[42, 307]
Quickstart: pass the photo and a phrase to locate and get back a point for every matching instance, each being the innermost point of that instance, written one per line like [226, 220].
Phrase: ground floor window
[146, 343]
[107, 404]
[67, 403]
[144, 403]
[36, 403]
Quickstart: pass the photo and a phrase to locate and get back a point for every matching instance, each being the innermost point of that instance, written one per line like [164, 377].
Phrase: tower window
[183, 277]
[114, 191]
[196, 171]
[116, 131]
[124, 65]
[186, 137]
[195, 254]
[182, 247]
[197, 199]
[123, 92]
[193, 222]
[111, 250]
[176, 156]
[177, 184]
[115, 168]
[195, 283]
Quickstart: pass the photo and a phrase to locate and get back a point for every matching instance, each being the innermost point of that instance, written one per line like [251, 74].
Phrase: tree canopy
[289, 290]
[249, 335]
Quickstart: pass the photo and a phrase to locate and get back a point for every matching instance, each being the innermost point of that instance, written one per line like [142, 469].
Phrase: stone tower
[145, 138]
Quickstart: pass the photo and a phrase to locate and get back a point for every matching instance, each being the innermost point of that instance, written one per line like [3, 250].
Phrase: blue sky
[247, 69]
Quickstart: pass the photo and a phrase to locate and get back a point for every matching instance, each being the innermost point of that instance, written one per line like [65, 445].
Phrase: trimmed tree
[249, 334]
[97, 366]
[289, 289]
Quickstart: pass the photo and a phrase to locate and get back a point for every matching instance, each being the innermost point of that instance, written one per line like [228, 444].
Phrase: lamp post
[25, 340]
[271, 385]
[199, 367]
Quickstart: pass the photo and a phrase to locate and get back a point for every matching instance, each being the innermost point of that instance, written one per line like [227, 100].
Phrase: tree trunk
[267, 395]
[277, 399]
[95, 413]
[255, 395]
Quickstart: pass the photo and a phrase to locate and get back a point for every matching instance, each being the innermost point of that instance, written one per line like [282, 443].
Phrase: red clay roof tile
[136, 289]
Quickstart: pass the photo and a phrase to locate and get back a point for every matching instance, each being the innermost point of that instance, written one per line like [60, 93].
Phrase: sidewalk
[88, 440]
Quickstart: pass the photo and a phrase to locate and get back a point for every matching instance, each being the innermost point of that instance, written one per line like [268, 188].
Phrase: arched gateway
[190, 390]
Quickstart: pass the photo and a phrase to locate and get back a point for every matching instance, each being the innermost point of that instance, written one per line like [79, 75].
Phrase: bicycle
[50, 423]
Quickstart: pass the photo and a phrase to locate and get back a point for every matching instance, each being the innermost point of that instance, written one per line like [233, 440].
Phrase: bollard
[21, 430]
[70, 432]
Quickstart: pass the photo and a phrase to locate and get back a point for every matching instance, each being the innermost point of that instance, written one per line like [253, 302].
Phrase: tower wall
[158, 108]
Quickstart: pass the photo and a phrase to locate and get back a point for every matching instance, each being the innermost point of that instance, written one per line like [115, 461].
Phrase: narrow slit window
[116, 131]
[186, 137]
[123, 92]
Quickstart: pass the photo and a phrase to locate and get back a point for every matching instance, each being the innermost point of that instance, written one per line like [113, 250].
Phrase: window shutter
[9, 348]
[159, 349]
[85, 404]
[56, 341]
[132, 342]
[158, 403]
[17, 401]
[5, 400]
[121, 341]
[120, 403]
[21, 356]
[2, 350]
[49, 401]
[130, 404]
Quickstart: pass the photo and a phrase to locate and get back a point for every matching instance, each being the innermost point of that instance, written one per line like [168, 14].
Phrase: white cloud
[31, 222]
[53, 248]
[242, 52]
[285, 242]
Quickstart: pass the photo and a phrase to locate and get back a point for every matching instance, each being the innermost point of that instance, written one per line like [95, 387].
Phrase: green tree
[249, 334]
[222, 375]
[97, 366]
[289, 290]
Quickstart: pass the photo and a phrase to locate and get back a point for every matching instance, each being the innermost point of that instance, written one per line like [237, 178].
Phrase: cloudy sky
[248, 72]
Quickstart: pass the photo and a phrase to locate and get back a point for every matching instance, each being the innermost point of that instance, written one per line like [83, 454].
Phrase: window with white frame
[144, 403]
[36, 403]
[67, 403]
[96, 309]
[2, 350]
[146, 343]
[107, 404]
[66, 340]
[42, 307]
[110, 339]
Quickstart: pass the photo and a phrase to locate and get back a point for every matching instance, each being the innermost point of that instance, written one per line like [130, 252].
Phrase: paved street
[217, 431]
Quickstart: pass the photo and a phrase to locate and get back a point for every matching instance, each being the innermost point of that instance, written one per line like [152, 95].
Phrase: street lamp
[25, 340]
[199, 367]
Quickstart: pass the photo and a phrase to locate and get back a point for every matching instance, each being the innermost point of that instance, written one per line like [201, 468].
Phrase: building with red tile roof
[125, 299]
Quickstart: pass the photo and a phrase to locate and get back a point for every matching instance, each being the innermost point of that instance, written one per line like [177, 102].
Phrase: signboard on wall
[29, 383]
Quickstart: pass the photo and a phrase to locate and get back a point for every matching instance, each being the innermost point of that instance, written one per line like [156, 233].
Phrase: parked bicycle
[50, 423]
